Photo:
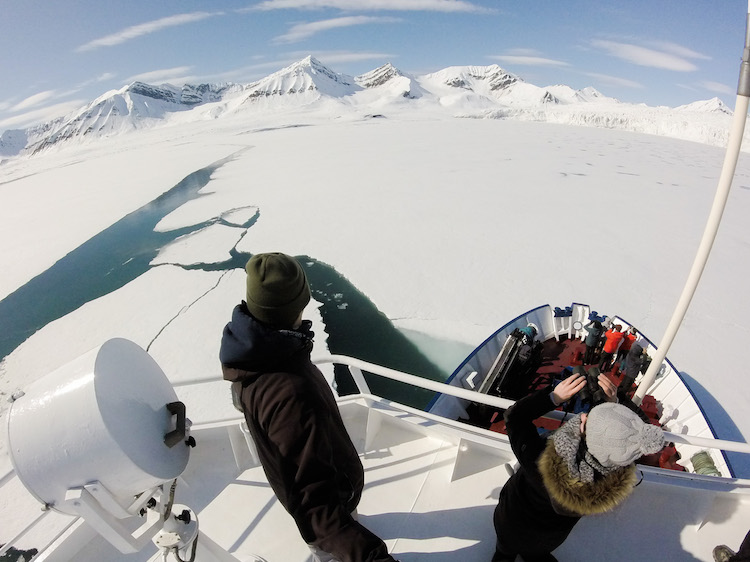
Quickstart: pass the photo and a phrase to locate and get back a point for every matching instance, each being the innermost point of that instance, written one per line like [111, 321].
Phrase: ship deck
[431, 488]
[558, 359]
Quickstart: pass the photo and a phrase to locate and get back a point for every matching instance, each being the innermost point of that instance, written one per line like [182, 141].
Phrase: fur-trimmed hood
[571, 495]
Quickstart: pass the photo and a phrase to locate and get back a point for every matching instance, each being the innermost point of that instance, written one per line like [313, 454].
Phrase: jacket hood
[636, 349]
[251, 347]
[570, 494]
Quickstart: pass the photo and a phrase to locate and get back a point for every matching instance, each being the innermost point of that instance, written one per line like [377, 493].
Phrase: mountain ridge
[464, 91]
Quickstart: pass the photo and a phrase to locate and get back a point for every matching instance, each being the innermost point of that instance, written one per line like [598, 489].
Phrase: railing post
[359, 380]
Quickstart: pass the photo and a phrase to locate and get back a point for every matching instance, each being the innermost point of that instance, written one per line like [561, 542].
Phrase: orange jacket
[613, 340]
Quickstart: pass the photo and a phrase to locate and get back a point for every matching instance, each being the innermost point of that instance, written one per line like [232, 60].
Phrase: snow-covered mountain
[566, 94]
[463, 91]
[132, 107]
[714, 105]
[379, 76]
[486, 83]
[306, 80]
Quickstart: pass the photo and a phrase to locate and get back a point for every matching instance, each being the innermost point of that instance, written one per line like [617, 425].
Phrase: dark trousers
[588, 357]
[625, 384]
[604, 361]
[620, 356]
[504, 556]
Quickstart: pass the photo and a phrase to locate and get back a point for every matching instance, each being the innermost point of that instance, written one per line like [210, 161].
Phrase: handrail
[414, 380]
[7, 477]
[503, 403]
[6, 547]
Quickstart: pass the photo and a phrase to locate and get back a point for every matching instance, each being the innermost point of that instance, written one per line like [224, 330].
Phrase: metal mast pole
[714, 218]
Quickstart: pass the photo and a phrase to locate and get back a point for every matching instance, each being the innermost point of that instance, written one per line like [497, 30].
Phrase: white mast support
[712, 226]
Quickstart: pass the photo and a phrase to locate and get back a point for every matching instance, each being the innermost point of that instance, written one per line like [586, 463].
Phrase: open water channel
[124, 251]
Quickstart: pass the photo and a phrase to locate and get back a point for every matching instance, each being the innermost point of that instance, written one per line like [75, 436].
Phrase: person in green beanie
[292, 415]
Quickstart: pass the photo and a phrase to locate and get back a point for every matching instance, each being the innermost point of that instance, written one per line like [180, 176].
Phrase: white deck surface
[430, 492]
[412, 499]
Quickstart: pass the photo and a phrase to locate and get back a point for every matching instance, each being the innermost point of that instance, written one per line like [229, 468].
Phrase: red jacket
[627, 342]
[613, 340]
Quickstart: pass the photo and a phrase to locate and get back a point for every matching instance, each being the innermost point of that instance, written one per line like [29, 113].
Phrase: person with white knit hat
[585, 467]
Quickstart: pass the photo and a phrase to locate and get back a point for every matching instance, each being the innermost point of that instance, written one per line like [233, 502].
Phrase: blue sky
[58, 56]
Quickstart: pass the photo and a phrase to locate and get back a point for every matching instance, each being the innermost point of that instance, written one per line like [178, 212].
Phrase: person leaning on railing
[290, 410]
[587, 466]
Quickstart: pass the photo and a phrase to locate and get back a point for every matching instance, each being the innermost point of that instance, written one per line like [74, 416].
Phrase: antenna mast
[714, 218]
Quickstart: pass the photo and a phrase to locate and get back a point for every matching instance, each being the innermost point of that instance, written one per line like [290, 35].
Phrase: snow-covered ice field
[451, 227]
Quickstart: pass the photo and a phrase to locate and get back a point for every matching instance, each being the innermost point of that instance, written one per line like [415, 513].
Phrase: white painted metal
[100, 418]
[414, 380]
[431, 486]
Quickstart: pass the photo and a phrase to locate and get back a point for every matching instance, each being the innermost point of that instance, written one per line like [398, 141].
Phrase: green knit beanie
[277, 289]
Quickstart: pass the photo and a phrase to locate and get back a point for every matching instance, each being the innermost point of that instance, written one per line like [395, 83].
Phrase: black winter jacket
[593, 334]
[527, 518]
[305, 450]
[635, 361]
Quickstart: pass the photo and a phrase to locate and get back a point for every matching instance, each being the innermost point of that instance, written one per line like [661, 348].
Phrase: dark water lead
[108, 261]
[355, 327]
[124, 251]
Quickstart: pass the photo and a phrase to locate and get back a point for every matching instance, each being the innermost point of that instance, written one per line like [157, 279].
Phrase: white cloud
[687, 87]
[368, 5]
[526, 60]
[304, 30]
[614, 80]
[144, 29]
[335, 57]
[49, 95]
[717, 87]
[40, 115]
[644, 56]
[31, 101]
[679, 50]
[101, 78]
[523, 52]
[177, 74]
[78, 87]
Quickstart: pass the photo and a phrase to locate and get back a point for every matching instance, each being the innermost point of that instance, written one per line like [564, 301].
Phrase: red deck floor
[557, 356]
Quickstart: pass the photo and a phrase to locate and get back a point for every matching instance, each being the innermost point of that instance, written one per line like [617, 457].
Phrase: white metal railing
[356, 366]
[14, 540]
[7, 477]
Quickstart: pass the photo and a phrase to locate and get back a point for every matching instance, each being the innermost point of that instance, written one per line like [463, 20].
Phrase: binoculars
[591, 394]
